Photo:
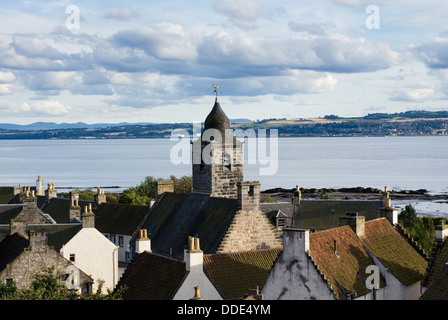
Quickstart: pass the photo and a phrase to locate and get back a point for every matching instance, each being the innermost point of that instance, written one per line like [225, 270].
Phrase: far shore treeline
[409, 123]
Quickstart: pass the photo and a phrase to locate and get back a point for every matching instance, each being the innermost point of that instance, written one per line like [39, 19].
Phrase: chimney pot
[197, 294]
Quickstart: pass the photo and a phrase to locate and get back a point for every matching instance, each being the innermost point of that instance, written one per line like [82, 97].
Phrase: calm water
[396, 162]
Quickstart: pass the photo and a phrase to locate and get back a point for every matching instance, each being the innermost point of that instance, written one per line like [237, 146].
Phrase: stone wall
[250, 231]
[250, 228]
[219, 174]
[35, 259]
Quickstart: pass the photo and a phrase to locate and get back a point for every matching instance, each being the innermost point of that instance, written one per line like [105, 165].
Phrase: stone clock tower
[217, 157]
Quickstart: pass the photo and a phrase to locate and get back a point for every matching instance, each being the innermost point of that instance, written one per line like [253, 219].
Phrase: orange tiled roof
[344, 270]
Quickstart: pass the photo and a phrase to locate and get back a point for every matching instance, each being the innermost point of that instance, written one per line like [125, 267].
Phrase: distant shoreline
[359, 193]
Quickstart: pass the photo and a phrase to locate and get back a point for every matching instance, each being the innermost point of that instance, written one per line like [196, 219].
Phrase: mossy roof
[439, 259]
[438, 289]
[234, 274]
[393, 251]
[178, 216]
[324, 214]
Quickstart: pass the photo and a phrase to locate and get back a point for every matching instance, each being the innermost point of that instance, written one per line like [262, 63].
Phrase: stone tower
[217, 157]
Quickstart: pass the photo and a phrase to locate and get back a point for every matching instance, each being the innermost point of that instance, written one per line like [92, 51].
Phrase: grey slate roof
[58, 208]
[324, 214]
[9, 211]
[152, 277]
[271, 210]
[177, 216]
[119, 218]
[10, 248]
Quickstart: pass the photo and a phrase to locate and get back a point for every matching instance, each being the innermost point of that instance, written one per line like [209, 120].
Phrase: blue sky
[156, 61]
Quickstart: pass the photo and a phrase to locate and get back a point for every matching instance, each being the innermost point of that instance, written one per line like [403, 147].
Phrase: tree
[407, 216]
[133, 196]
[48, 285]
[421, 229]
[143, 193]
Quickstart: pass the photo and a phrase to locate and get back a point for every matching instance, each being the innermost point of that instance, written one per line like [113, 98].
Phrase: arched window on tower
[227, 162]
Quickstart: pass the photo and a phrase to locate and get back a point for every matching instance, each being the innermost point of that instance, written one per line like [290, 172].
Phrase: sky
[155, 61]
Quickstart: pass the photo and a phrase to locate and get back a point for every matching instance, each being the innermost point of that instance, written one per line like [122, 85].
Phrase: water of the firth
[397, 162]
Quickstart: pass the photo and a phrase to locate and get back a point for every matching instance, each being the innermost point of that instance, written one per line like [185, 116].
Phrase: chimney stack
[143, 243]
[356, 222]
[386, 210]
[38, 239]
[29, 199]
[296, 240]
[17, 225]
[87, 217]
[297, 198]
[248, 194]
[163, 186]
[75, 209]
[100, 197]
[51, 192]
[194, 256]
[39, 187]
[441, 231]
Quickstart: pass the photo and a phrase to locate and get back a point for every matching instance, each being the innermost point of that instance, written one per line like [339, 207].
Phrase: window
[112, 238]
[127, 256]
[120, 241]
[72, 257]
[250, 191]
[281, 223]
[227, 162]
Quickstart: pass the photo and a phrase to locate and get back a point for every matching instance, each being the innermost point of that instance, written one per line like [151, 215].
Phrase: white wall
[95, 255]
[294, 276]
[115, 238]
[196, 277]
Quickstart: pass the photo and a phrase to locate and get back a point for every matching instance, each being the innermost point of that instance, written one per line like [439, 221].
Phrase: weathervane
[216, 89]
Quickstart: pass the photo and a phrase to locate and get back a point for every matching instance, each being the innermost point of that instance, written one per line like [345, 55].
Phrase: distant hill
[410, 123]
[80, 125]
[53, 126]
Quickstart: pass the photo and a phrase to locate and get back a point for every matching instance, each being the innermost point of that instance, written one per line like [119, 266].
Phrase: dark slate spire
[217, 119]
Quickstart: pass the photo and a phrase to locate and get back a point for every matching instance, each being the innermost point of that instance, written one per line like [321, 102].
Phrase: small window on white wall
[72, 257]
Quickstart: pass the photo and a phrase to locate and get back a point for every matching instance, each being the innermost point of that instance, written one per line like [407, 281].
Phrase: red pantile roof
[345, 269]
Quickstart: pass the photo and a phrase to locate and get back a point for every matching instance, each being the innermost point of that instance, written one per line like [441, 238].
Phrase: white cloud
[5, 89]
[120, 14]
[418, 93]
[348, 3]
[434, 53]
[50, 108]
[7, 77]
[162, 41]
[243, 14]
